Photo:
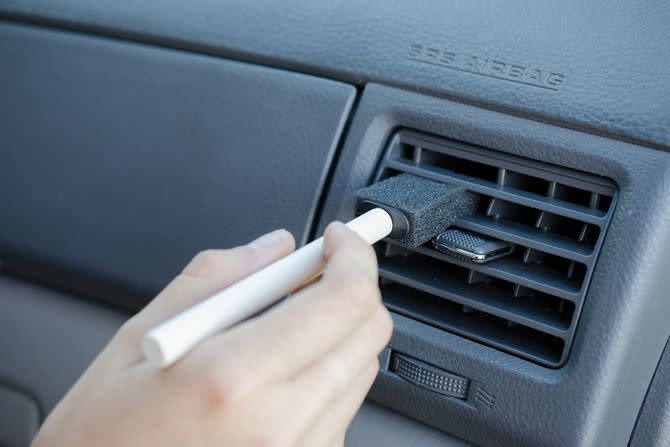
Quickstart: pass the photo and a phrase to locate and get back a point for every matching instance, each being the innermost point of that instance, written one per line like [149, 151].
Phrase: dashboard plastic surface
[144, 156]
[600, 65]
[578, 84]
[594, 399]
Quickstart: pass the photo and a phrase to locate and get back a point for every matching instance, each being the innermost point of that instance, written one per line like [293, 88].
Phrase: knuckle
[376, 293]
[386, 325]
[129, 332]
[373, 370]
[369, 254]
[218, 389]
[374, 367]
[203, 263]
[212, 261]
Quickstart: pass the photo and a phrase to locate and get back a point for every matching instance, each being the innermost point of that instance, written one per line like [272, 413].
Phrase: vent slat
[527, 299]
[525, 342]
[555, 206]
[520, 234]
[533, 276]
[499, 160]
[529, 311]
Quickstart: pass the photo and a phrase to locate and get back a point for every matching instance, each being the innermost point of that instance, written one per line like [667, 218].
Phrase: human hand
[293, 376]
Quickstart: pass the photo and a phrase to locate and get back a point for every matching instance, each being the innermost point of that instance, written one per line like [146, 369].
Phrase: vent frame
[533, 241]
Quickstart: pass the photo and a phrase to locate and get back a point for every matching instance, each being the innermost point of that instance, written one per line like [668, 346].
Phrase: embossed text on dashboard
[489, 67]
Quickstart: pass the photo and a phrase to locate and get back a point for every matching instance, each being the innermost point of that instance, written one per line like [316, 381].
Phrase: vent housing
[529, 302]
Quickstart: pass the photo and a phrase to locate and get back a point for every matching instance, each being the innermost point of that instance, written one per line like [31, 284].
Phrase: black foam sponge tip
[420, 208]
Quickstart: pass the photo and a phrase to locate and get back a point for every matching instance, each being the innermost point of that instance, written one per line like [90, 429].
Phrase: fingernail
[269, 240]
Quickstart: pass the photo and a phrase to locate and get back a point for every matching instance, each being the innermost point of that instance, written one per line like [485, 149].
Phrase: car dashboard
[134, 134]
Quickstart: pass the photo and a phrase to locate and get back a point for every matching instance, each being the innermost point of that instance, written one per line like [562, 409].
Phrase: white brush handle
[169, 341]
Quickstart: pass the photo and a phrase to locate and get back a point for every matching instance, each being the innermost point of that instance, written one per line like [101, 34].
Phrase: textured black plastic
[120, 162]
[429, 377]
[594, 399]
[600, 65]
[528, 303]
[428, 206]
[614, 58]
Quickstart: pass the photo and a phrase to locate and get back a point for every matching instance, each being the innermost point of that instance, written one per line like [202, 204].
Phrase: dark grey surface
[428, 206]
[47, 339]
[613, 58]
[594, 399]
[548, 281]
[378, 426]
[19, 417]
[611, 54]
[653, 424]
[119, 162]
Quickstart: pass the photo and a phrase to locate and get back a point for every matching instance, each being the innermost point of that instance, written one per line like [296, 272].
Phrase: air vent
[526, 303]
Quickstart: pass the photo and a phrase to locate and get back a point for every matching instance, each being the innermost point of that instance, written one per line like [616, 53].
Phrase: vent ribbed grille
[527, 303]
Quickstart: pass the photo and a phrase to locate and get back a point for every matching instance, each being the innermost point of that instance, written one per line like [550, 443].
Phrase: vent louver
[526, 303]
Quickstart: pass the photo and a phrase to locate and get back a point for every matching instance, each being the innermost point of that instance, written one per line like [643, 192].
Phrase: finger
[211, 271]
[298, 331]
[329, 427]
[330, 375]
[339, 440]
[208, 272]
[310, 392]
[283, 421]
[306, 394]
